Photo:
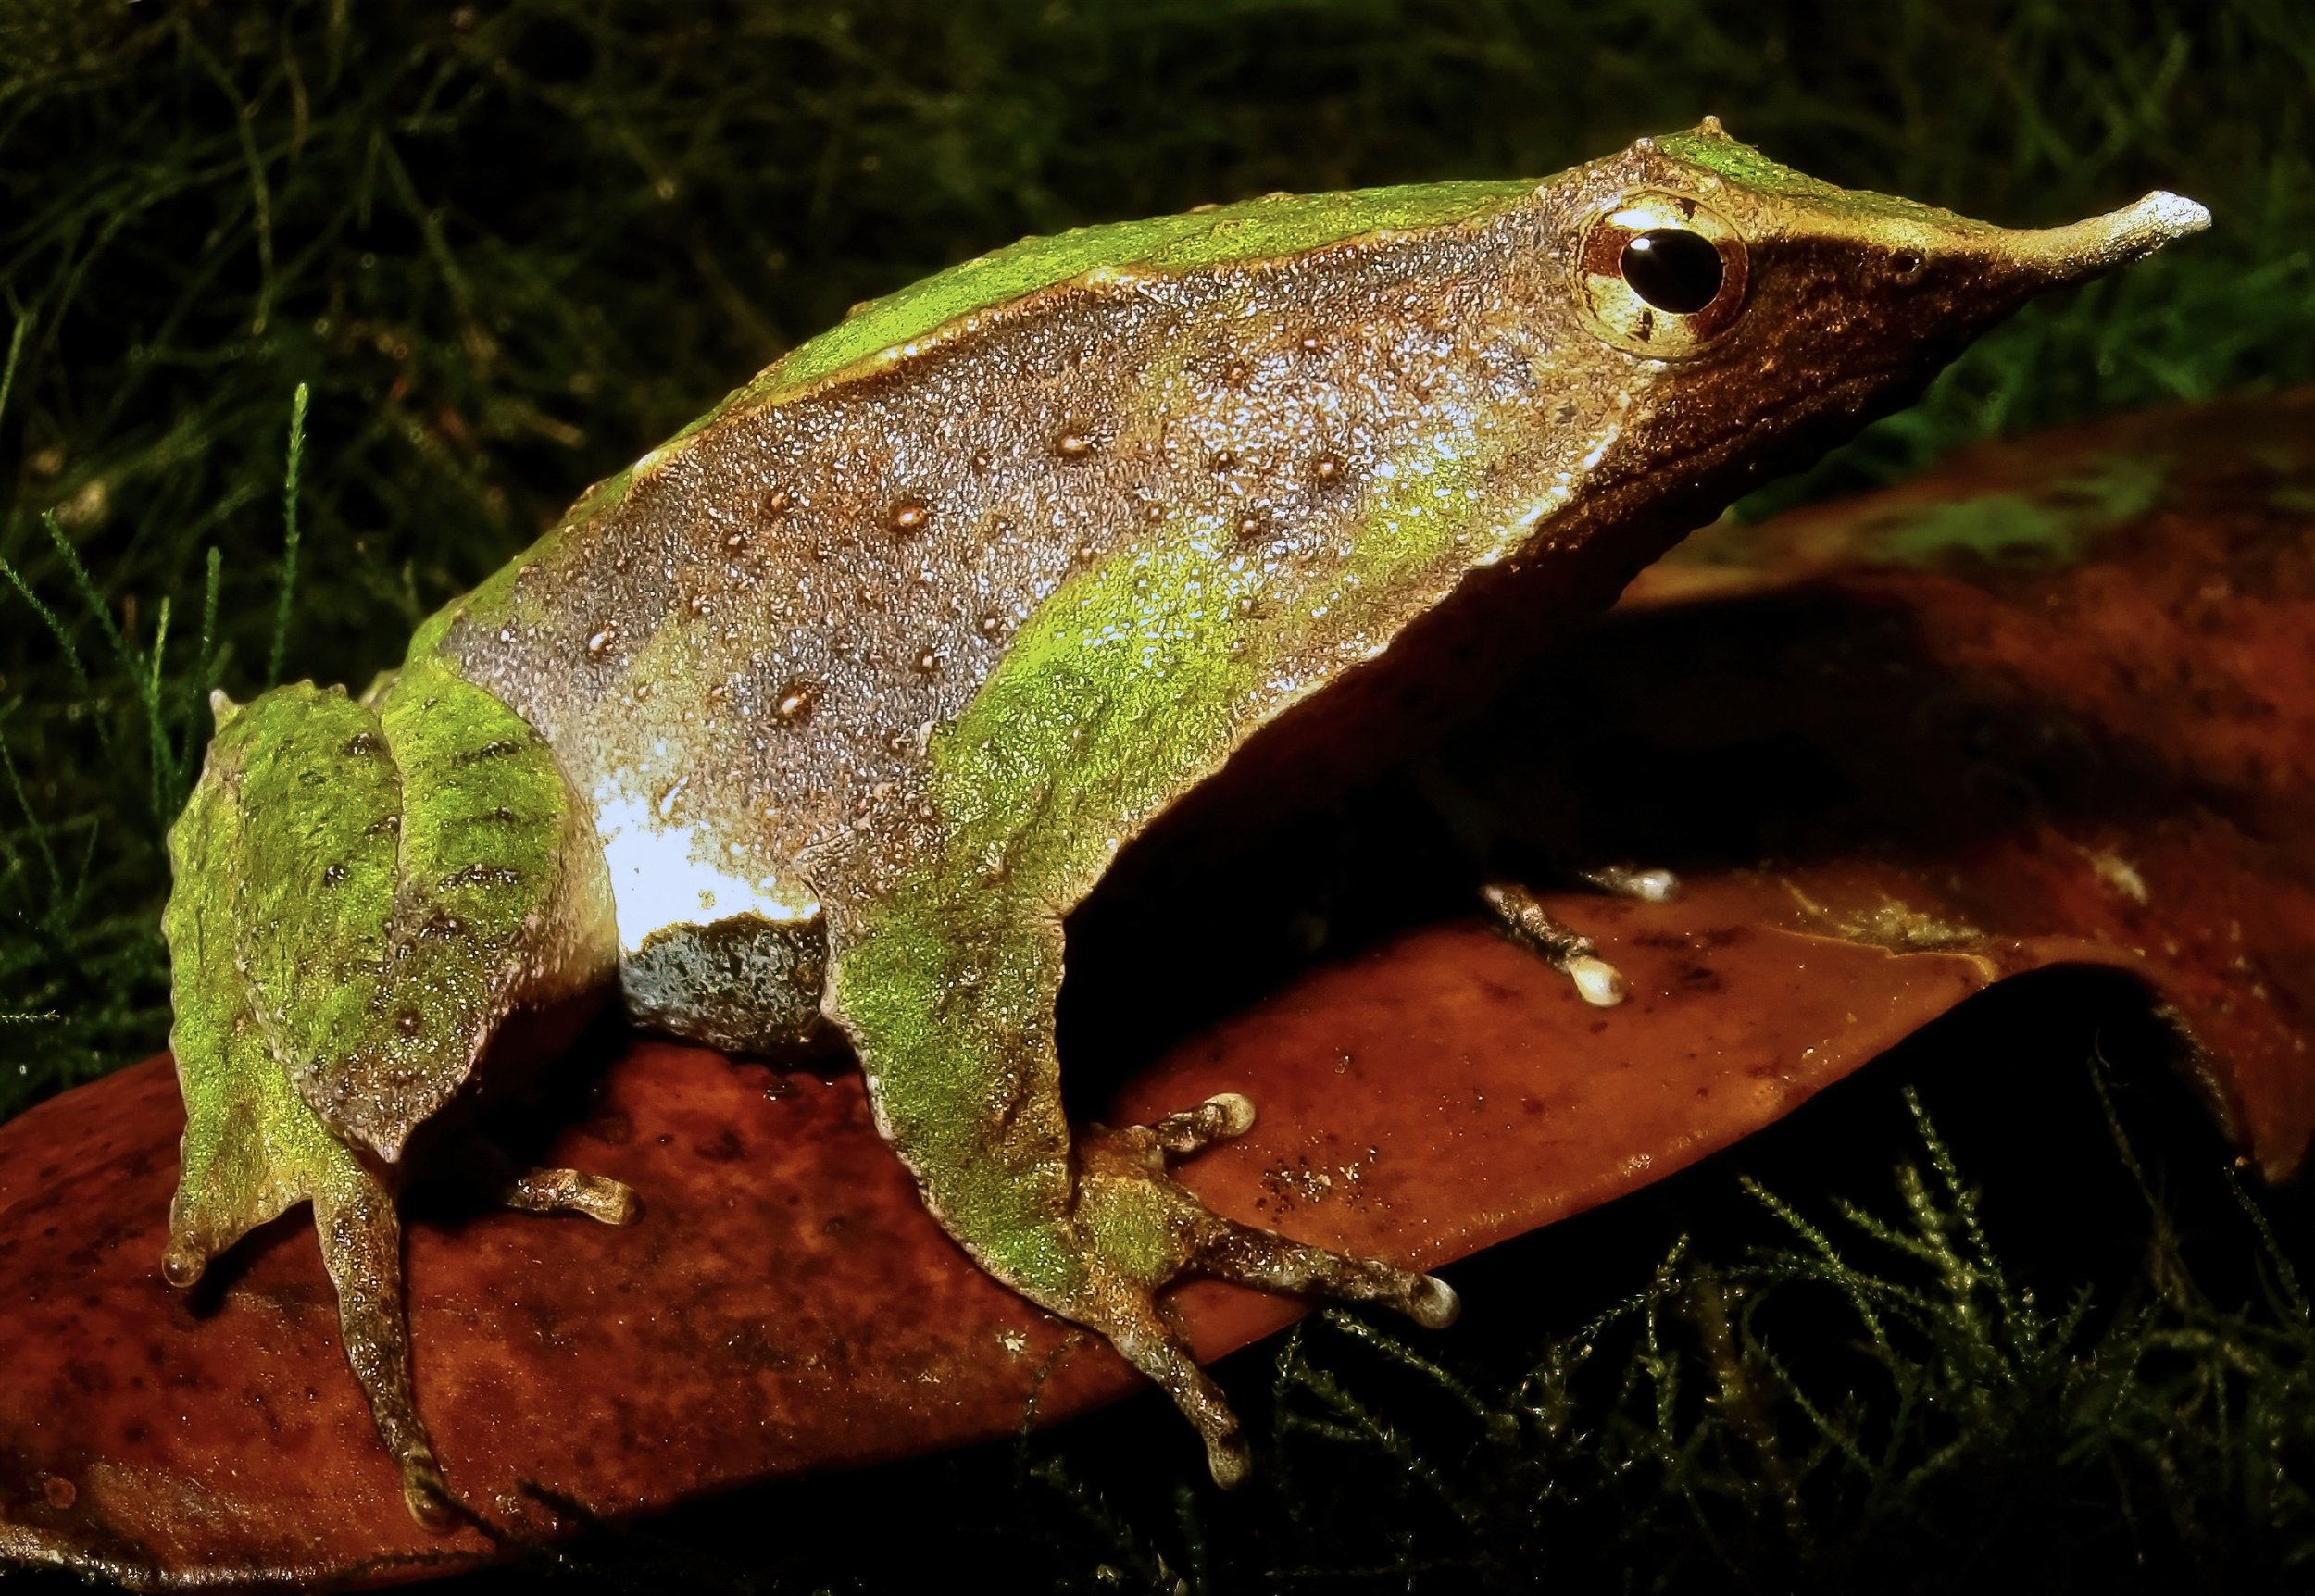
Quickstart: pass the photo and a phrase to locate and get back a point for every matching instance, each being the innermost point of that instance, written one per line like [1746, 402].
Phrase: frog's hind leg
[364, 892]
[254, 1160]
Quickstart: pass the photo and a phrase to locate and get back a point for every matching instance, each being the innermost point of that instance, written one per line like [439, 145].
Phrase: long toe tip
[181, 1266]
[427, 1495]
[1229, 1459]
[1598, 982]
[1435, 1305]
[1237, 1111]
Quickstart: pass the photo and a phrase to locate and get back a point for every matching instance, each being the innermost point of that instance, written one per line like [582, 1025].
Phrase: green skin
[826, 713]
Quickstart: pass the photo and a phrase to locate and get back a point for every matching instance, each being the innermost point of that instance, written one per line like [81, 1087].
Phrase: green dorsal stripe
[1279, 226]
[1749, 169]
[1251, 229]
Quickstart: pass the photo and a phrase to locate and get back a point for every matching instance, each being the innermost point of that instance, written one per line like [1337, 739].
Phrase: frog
[813, 726]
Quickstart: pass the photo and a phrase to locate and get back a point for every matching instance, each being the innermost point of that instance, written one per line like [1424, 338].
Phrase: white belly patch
[664, 875]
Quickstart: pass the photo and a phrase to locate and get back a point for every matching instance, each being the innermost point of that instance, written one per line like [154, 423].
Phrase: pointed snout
[2082, 249]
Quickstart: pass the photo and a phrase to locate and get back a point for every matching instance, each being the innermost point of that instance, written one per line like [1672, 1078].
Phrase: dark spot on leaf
[723, 1148]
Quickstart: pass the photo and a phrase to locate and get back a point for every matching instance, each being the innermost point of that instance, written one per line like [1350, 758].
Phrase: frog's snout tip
[2135, 231]
[2162, 215]
[2100, 243]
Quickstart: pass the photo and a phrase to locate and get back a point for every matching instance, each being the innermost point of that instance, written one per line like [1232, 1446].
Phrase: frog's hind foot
[361, 1242]
[1144, 1230]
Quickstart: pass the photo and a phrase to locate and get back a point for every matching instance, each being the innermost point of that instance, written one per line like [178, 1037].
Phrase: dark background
[510, 247]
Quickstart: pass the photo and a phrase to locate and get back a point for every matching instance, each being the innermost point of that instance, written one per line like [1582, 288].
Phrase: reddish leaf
[1893, 769]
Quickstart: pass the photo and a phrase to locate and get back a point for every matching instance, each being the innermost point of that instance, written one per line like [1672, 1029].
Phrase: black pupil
[1673, 270]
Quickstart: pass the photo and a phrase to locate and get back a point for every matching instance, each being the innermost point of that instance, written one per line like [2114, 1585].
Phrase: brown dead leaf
[1899, 748]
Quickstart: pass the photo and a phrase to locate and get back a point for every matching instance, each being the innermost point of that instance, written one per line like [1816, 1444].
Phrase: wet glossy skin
[866, 679]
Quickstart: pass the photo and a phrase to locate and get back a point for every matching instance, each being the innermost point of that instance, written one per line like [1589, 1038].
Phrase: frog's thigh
[743, 984]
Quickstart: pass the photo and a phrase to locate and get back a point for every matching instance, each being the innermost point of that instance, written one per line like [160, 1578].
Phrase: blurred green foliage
[503, 249]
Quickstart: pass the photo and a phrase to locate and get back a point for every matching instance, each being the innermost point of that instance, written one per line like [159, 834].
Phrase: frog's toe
[1149, 1148]
[1130, 1319]
[1248, 1256]
[1649, 884]
[600, 1198]
[1221, 1118]
[183, 1264]
[361, 1249]
[427, 1494]
[1522, 917]
[1121, 1304]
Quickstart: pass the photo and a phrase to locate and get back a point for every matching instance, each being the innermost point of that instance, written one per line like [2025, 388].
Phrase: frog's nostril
[1673, 270]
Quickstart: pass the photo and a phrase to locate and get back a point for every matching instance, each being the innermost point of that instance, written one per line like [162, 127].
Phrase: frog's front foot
[598, 1197]
[1139, 1231]
[1522, 917]
[500, 1179]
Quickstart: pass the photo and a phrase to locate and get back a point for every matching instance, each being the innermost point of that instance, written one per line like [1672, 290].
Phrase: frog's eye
[1660, 274]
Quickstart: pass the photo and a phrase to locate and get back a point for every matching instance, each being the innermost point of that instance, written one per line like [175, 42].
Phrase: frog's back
[742, 648]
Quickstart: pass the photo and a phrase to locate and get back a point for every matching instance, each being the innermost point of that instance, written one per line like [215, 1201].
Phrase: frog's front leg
[950, 1006]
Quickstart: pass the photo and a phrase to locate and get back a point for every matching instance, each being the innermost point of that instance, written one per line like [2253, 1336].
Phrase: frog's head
[1720, 316]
